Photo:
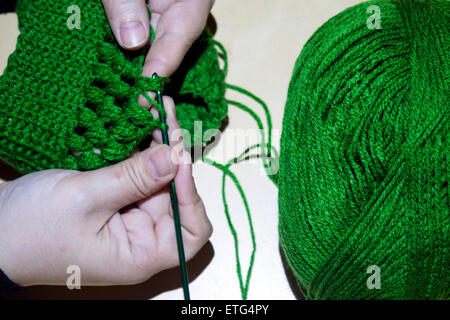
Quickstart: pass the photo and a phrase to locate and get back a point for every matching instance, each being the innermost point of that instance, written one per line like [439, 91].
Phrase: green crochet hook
[174, 202]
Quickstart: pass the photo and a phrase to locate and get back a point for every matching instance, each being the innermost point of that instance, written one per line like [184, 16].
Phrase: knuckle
[127, 10]
[208, 229]
[169, 102]
[75, 182]
[161, 61]
[205, 227]
[70, 188]
[200, 238]
[138, 181]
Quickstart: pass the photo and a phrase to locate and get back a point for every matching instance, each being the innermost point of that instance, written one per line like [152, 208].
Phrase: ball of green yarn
[363, 166]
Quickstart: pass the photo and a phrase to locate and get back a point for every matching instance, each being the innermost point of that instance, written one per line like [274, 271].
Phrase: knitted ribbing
[363, 167]
[68, 97]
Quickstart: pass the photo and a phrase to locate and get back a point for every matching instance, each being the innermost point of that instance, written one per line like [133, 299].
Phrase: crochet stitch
[68, 97]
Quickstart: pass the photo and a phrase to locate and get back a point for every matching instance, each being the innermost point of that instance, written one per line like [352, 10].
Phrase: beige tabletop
[263, 39]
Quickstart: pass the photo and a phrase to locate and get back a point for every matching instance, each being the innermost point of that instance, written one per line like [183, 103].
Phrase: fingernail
[160, 162]
[132, 34]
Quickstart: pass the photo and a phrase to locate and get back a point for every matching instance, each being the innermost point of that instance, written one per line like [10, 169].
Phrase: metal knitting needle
[174, 202]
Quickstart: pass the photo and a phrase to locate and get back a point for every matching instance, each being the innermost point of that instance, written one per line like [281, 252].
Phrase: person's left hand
[177, 24]
[115, 223]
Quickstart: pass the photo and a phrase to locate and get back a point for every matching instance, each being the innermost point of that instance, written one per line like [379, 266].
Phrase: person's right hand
[177, 24]
[115, 223]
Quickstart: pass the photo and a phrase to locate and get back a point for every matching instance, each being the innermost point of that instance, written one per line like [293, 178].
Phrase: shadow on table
[290, 276]
[7, 172]
[162, 282]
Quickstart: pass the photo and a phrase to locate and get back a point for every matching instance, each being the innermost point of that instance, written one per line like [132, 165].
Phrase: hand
[115, 223]
[177, 24]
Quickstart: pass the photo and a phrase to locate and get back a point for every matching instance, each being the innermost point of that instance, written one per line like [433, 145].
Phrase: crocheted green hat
[68, 97]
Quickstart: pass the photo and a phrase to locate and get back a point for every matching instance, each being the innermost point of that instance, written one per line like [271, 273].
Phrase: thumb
[132, 180]
[129, 22]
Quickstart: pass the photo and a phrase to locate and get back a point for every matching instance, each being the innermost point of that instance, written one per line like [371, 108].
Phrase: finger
[192, 210]
[178, 26]
[156, 134]
[176, 142]
[129, 22]
[135, 152]
[131, 180]
[196, 227]
[174, 129]
[160, 6]
[169, 106]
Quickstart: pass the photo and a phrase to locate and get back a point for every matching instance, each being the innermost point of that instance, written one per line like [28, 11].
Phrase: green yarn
[268, 153]
[68, 97]
[364, 155]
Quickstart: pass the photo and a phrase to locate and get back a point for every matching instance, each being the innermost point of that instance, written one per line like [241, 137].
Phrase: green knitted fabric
[364, 156]
[68, 97]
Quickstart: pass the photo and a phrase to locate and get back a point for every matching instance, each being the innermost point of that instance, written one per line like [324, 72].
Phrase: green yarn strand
[267, 153]
[266, 147]
[226, 172]
[244, 156]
